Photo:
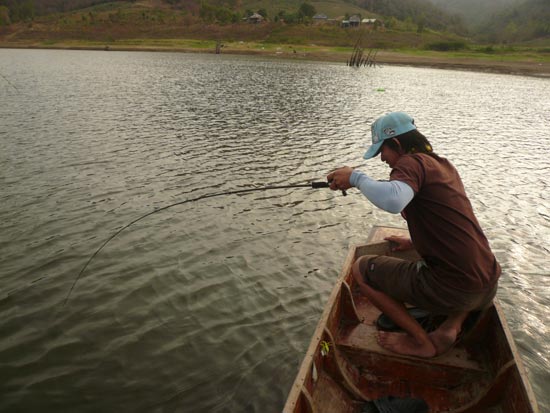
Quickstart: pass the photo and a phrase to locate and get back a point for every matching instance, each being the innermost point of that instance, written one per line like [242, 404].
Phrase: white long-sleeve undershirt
[391, 196]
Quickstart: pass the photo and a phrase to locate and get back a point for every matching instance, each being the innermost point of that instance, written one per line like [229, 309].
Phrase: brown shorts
[416, 284]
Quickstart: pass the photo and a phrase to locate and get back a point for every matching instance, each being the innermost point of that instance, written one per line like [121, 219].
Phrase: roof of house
[320, 16]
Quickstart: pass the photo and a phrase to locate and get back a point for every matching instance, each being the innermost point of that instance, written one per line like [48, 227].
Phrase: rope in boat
[313, 185]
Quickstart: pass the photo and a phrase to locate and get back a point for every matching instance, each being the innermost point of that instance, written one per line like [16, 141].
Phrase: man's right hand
[339, 178]
[399, 243]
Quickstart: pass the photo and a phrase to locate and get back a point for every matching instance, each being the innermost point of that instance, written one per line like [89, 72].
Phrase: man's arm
[391, 196]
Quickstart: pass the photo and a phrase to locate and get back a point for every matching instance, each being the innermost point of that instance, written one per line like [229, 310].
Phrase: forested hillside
[493, 21]
[417, 11]
[18, 10]
[474, 12]
[525, 21]
[502, 20]
[26, 9]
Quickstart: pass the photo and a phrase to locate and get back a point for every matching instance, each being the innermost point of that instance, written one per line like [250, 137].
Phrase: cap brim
[373, 150]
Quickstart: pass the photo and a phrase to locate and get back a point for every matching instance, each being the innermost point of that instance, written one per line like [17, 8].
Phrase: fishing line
[313, 185]
[9, 83]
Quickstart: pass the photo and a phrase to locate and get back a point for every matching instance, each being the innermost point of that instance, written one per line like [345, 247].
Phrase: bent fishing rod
[314, 185]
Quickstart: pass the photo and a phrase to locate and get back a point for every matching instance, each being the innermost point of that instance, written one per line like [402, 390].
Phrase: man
[458, 272]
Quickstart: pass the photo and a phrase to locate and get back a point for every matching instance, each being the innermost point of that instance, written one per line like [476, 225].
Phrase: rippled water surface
[209, 306]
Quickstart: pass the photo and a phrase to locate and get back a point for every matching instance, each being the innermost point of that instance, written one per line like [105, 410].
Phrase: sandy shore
[527, 67]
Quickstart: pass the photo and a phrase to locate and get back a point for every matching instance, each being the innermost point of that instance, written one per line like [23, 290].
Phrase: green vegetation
[5, 19]
[525, 21]
[528, 21]
[217, 14]
[15, 11]
[445, 46]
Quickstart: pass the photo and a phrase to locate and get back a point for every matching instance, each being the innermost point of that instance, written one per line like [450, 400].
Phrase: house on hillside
[344, 23]
[320, 18]
[372, 23]
[355, 20]
[255, 18]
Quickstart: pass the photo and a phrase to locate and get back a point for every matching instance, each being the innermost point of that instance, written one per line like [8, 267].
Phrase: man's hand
[339, 178]
[399, 243]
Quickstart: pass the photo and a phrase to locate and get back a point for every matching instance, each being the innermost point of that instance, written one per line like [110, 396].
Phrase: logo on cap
[389, 132]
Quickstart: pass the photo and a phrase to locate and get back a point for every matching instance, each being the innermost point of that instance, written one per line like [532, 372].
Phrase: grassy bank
[523, 62]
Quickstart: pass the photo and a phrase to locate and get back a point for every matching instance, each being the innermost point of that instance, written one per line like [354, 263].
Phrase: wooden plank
[332, 398]
[376, 244]
[524, 382]
[378, 233]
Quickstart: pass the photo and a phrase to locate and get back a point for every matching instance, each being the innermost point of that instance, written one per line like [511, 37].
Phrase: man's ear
[399, 147]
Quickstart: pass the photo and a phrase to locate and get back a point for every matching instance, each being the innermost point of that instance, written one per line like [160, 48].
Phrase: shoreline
[526, 67]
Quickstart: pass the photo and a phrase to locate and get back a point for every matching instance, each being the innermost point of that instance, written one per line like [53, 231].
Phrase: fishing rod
[314, 185]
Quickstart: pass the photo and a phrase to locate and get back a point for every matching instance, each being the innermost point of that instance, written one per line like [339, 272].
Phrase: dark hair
[411, 142]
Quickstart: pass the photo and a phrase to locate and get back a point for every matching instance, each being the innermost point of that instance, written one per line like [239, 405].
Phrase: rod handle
[316, 185]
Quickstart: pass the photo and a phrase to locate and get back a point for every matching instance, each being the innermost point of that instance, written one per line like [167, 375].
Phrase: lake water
[209, 306]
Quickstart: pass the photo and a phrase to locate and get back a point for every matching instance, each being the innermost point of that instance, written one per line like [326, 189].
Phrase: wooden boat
[344, 366]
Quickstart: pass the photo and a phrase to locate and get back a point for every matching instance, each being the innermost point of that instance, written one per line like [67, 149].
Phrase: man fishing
[458, 272]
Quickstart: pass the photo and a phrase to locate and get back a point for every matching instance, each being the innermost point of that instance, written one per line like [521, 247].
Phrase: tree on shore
[306, 10]
[219, 14]
[17, 10]
[4, 16]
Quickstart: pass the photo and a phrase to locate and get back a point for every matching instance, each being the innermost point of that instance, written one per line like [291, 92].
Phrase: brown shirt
[442, 224]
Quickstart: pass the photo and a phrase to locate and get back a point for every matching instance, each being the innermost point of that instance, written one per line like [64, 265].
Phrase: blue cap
[386, 127]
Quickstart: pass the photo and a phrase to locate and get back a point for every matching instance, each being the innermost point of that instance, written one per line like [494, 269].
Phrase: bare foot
[443, 339]
[404, 344]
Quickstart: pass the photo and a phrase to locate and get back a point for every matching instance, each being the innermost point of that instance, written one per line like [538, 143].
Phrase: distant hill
[419, 12]
[493, 21]
[502, 20]
[529, 20]
[474, 12]
[27, 9]
[20, 9]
